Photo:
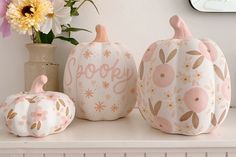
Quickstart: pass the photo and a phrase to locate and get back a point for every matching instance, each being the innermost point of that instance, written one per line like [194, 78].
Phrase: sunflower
[26, 15]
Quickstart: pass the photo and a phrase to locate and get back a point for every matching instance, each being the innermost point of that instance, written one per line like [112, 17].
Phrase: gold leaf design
[33, 126]
[222, 117]
[67, 111]
[141, 70]
[62, 102]
[9, 113]
[213, 119]
[12, 115]
[195, 120]
[31, 100]
[218, 72]
[150, 106]
[186, 116]
[198, 62]
[171, 55]
[162, 56]
[193, 53]
[58, 106]
[141, 113]
[156, 108]
[57, 130]
[226, 71]
[39, 125]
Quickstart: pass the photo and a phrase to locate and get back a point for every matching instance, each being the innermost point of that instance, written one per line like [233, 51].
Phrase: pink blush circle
[196, 99]
[163, 75]
[163, 124]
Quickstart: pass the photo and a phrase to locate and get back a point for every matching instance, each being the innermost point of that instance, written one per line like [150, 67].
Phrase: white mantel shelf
[127, 133]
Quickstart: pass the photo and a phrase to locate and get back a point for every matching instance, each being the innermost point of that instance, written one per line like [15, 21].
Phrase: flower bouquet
[43, 21]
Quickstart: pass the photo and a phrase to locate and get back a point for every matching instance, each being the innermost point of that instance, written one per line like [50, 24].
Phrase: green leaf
[46, 38]
[73, 29]
[36, 37]
[91, 1]
[74, 12]
[71, 40]
[70, 3]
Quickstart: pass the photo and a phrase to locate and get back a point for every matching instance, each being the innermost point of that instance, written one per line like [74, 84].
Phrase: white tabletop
[129, 132]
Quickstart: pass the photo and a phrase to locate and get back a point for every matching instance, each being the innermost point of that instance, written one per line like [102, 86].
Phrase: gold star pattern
[87, 54]
[99, 107]
[107, 54]
[105, 84]
[114, 108]
[88, 93]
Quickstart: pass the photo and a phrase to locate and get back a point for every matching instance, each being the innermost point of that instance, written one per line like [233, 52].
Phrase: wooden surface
[129, 132]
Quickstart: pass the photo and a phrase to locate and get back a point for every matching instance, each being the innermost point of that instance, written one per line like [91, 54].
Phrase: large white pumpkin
[38, 113]
[101, 78]
[184, 83]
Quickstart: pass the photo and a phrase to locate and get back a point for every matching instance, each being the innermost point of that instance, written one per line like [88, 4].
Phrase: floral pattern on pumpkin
[105, 78]
[164, 74]
[196, 100]
[43, 107]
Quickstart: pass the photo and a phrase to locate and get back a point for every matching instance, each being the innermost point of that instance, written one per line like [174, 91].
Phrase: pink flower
[163, 75]
[39, 114]
[5, 26]
[196, 99]
[163, 124]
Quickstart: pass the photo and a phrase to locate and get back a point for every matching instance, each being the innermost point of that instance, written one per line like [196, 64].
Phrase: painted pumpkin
[38, 113]
[101, 78]
[184, 83]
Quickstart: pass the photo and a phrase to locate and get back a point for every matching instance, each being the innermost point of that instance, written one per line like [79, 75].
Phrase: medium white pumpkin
[38, 113]
[184, 83]
[101, 78]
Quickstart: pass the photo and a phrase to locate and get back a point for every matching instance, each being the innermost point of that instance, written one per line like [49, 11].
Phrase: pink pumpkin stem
[181, 29]
[39, 82]
[101, 34]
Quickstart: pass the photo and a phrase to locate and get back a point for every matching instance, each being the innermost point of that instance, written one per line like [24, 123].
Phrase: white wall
[137, 23]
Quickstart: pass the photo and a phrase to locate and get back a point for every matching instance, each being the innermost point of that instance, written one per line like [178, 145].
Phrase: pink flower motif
[196, 99]
[226, 89]
[148, 54]
[208, 50]
[39, 114]
[163, 124]
[163, 75]
[5, 26]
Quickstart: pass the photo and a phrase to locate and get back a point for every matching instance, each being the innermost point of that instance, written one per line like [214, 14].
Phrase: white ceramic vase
[41, 62]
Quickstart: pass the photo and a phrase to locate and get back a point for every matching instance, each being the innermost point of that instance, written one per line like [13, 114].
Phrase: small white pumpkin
[101, 78]
[184, 83]
[38, 113]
